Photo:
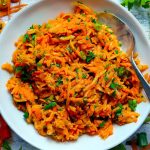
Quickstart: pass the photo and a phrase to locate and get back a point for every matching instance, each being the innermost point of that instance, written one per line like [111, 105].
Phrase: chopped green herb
[116, 52]
[84, 76]
[87, 38]
[114, 85]
[97, 26]
[6, 145]
[59, 81]
[18, 69]
[120, 71]
[93, 20]
[58, 65]
[82, 55]
[90, 56]
[50, 105]
[26, 38]
[77, 70]
[69, 19]
[102, 124]
[142, 139]
[95, 105]
[26, 115]
[69, 49]
[132, 104]
[119, 147]
[39, 64]
[119, 110]
[33, 36]
[32, 27]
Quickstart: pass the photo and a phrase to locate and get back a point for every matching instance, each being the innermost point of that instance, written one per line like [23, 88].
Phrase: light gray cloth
[144, 18]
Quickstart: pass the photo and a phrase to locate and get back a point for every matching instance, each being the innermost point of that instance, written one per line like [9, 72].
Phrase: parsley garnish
[26, 115]
[132, 104]
[114, 85]
[50, 105]
[26, 38]
[59, 81]
[119, 110]
[84, 76]
[90, 56]
[102, 124]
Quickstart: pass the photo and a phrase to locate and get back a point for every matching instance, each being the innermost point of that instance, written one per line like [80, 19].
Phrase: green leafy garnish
[33, 36]
[18, 69]
[84, 76]
[6, 145]
[59, 81]
[102, 124]
[119, 110]
[39, 64]
[116, 52]
[26, 115]
[69, 19]
[87, 38]
[32, 27]
[90, 56]
[26, 38]
[120, 71]
[97, 26]
[58, 65]
[50, 105]
[93, 20]
[132, 104]
[114, 85]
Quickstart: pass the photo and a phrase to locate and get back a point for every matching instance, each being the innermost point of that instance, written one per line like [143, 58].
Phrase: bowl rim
[124, 10]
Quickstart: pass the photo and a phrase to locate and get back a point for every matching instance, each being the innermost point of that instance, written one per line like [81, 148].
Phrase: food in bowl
[72, 78]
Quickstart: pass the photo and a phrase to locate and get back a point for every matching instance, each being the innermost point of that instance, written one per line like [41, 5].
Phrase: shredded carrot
[72, 77]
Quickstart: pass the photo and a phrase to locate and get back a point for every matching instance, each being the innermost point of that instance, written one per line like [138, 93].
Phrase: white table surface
[143, 17]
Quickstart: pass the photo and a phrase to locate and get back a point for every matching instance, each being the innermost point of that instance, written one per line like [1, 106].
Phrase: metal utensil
[126, 37]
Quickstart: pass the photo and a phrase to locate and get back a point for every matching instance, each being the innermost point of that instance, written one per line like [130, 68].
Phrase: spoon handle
[144, 83]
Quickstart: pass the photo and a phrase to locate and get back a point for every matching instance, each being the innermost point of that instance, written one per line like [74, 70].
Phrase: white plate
[38, 13]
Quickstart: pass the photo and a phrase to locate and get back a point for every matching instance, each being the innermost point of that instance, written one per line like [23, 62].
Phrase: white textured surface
[144, 18]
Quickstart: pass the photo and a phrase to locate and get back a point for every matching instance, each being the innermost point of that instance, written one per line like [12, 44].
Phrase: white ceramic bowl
[38, 13]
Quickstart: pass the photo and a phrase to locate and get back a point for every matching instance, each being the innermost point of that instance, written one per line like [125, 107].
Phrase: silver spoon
[125, 36]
